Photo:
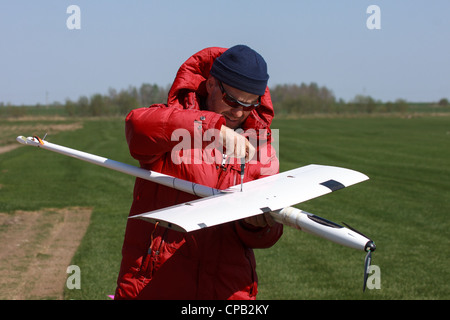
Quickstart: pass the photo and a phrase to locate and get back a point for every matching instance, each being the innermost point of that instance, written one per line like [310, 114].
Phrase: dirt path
[36, 249]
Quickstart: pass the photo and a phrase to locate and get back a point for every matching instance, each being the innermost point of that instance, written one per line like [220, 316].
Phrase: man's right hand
[236, 145]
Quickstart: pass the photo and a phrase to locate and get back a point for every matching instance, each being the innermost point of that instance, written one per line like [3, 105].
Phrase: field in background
[403, 207]
[32, 179]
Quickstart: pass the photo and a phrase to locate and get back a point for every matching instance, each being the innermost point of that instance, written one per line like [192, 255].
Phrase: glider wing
[259, 196]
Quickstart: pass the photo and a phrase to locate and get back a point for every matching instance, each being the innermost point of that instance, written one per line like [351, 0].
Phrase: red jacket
[212, 263]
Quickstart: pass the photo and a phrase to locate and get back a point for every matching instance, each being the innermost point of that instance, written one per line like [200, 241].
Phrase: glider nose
[21, 139]
[370, 246]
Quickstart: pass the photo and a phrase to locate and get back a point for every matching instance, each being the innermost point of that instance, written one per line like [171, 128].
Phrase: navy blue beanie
[242, 68]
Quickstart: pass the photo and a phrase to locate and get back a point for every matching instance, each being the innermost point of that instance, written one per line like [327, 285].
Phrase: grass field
[404, 206]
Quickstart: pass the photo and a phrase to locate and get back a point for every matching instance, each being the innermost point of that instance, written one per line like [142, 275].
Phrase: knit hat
[242, 68]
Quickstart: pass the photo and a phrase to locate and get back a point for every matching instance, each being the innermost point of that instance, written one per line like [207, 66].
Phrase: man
[218, 90]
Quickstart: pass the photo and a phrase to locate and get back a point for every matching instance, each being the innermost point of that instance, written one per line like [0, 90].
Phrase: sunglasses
[234, 103]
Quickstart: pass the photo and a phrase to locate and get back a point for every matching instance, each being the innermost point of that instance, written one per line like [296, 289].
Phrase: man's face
[234, 116]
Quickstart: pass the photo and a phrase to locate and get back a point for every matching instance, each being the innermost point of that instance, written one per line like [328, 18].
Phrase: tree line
[313, 99]
[288, 99]
[117, 102]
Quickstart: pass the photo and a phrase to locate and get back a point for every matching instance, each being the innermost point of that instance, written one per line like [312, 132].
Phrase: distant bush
[443, 102]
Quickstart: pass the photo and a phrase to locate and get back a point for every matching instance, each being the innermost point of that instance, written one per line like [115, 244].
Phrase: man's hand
[261, 220]
[236, 145]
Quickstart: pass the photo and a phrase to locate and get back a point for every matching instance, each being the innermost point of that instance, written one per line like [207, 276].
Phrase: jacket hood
[189, 88]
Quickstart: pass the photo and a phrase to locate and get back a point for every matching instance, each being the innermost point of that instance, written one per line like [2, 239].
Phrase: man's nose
[237, 112]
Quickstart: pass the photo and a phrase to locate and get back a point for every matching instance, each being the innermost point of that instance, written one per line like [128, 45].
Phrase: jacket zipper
[224, 168]
[152, 255]
[155, 256]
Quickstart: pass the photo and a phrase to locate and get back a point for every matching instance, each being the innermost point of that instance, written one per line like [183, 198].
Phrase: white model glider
[259, 196]
[274, 194]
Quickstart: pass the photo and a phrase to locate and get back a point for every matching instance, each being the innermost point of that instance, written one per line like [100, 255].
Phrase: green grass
[33, 179]
[403, 207]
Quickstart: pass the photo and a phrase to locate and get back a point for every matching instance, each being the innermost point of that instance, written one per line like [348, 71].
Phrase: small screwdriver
[242, 171]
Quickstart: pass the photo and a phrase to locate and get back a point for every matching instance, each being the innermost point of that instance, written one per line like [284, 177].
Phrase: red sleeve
[149, 130]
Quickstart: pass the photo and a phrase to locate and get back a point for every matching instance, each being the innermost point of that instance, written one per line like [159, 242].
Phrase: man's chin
[233, 124]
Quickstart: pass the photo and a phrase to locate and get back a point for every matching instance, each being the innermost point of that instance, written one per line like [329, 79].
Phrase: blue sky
[123, 43]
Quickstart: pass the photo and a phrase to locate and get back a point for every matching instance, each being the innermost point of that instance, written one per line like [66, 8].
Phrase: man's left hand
[261, 220]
